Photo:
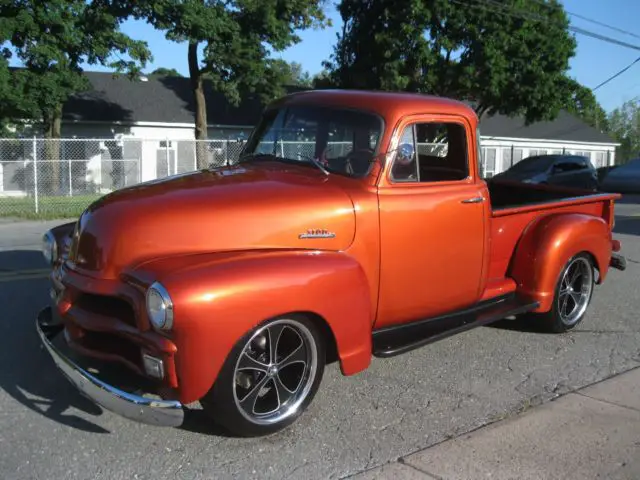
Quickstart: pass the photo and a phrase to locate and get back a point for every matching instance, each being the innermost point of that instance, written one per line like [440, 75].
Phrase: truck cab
[354, 224]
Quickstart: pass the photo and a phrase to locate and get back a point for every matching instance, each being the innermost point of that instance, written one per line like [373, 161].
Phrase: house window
[489, 160]
[506, 158]
[536, 152]
[518, 154]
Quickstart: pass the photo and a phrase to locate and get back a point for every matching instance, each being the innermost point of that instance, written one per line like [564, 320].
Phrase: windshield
[338, 140]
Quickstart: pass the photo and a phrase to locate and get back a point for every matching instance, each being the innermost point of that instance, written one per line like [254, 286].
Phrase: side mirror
[406, 153]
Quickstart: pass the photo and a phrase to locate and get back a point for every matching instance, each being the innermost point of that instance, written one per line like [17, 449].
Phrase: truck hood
[256, 206]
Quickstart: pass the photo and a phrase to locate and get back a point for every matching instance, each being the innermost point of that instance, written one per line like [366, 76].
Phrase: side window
[431, 152]
[570, 166]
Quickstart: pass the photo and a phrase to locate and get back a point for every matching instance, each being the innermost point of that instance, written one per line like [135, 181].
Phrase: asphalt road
[396, 407]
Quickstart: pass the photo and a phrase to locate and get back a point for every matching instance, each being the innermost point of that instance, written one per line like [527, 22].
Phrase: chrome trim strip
[167, 413]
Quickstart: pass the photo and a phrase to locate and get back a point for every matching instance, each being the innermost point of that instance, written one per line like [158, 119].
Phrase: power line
[604, 38]
[617, 74]
[602, 24]
[502, 9]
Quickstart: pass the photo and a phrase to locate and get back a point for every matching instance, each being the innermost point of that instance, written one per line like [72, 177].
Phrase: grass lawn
[49, 208]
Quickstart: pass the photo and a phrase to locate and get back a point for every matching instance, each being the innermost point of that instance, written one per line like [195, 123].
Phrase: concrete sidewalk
[593, 433]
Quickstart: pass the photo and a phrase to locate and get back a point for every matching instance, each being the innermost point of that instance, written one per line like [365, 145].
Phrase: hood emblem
[317, 233]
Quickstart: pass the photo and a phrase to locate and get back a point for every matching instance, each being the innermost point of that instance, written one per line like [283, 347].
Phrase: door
[433, 217]
[166, 164]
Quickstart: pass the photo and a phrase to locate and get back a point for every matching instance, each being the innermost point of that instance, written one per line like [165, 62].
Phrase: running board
[392, 341]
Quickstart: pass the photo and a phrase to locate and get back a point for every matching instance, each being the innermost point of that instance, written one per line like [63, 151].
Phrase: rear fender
[219, 298]
[546, 246]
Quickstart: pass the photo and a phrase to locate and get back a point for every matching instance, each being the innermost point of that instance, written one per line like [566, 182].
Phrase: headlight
[49, 248]
[159, 307]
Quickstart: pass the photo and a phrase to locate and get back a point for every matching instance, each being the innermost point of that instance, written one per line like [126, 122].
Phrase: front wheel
[270, 377]
[572, 294]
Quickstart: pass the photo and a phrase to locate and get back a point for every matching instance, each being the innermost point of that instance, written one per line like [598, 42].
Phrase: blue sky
[594, 62]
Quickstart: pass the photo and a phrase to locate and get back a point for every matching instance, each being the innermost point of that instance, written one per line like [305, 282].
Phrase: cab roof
[389, 105]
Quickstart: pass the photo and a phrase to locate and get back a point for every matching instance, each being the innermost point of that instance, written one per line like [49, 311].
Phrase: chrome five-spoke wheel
[269, 378]
[275, 371]
[576, 286]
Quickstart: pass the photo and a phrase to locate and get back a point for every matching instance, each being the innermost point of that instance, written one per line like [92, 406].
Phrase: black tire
[223, 403]
[557, 320]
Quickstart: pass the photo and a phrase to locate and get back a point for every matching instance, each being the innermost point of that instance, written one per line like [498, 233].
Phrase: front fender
[220, 297]
[548, 243]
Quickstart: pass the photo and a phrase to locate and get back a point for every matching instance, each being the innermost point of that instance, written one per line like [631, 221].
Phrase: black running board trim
[391, 342]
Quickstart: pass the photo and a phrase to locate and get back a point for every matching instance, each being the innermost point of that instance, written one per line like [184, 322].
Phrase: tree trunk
[201, 106]
[50, 170]
[481, 110]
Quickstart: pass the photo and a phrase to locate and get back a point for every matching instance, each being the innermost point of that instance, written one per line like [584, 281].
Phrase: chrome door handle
[473, 200]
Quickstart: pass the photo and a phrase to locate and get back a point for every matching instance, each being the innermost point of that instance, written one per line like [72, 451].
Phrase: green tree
[229, 43]
[166, 72]
[583, 104]
[53, 40]
[624, 125]
[291, 74]
[507, 56]
[322, 79]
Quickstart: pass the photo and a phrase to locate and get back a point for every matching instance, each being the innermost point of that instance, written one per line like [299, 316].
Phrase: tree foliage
[290, 74]
[52, 40]
[166, 72]
[229, 42]
[624, 125]
[583, 104]
[505, 56]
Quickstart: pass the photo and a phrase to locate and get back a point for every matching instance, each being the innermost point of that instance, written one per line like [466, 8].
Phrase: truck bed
[515, 205]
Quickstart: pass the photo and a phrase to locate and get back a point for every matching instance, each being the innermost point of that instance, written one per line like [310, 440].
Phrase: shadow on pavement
[521, 323]
[627, 225]
[629, 199]
[27, 372]
[21, 260]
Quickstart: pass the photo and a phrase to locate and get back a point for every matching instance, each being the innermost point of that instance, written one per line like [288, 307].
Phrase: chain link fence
[42, 178]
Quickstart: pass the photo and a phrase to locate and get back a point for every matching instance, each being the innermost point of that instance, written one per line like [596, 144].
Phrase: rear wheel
[572, 294]
[270, 377]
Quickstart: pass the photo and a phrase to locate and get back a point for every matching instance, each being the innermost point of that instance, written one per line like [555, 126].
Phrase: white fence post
[175, 160]
[70, 180]
[35, 172]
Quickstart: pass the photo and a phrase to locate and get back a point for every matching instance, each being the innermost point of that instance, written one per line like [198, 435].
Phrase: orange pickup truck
[354, 224]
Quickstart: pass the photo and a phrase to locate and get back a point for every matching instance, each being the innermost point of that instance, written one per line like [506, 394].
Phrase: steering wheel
[349, 160]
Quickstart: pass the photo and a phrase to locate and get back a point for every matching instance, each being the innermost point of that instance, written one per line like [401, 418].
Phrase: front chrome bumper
[167, 413]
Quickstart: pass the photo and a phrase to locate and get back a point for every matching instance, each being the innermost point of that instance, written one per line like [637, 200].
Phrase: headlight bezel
[49, 247]
[156, 288]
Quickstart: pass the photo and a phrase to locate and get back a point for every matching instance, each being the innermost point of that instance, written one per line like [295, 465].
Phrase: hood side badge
[317, 233]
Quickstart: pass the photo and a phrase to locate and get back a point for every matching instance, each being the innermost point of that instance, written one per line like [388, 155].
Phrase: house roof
[565, 127]
[170, 100]
[158, 99]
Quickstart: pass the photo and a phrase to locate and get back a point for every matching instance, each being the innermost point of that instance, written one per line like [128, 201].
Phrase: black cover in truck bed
[508, 194]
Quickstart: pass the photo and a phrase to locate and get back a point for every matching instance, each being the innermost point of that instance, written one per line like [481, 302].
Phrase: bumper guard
[618, 261]
[167, 413]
